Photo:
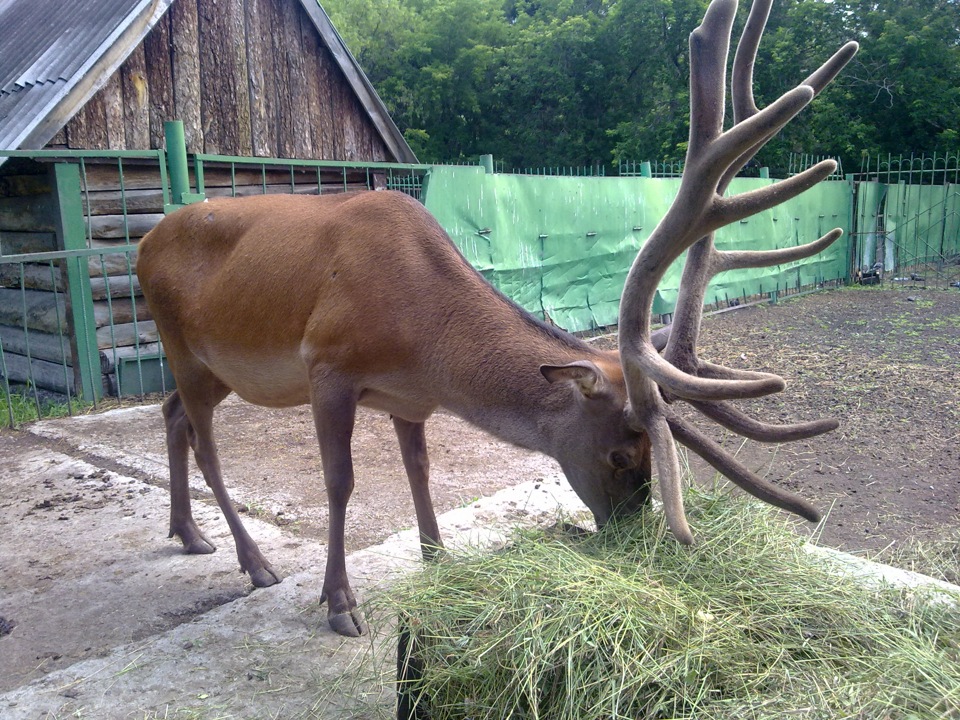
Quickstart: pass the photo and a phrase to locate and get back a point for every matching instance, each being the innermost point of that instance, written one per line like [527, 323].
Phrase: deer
[361, 299]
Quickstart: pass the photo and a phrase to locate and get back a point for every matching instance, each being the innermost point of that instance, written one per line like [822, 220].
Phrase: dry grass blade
[629, 624]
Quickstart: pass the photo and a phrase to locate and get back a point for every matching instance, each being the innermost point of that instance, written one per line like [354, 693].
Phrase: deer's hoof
[264, 577]
[349, 624]
[194, 541]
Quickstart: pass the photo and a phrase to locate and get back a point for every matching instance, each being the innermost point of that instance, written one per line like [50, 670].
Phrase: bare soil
[886, 363]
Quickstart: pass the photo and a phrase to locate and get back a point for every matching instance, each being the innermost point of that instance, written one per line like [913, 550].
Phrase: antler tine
[742, 424]
[731, 468]
[713, 159]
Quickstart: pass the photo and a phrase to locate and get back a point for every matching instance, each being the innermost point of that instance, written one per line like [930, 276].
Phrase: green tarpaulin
[562, 246]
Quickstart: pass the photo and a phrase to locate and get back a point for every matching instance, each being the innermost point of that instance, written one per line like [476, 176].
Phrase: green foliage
[583, 82]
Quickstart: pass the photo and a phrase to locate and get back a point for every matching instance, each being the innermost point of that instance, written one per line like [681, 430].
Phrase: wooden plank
[28, 213]
[15, 243]
[225, 99]
[156, 48]
[43, 374]
[94, 124]
[314, 85]
[260, 73]
[127, 334]
[301, 123]
[43, 346]
[185, 41]
[45, 311]
[136, 100]
[113, 113]
[33, 276]
[113, 226]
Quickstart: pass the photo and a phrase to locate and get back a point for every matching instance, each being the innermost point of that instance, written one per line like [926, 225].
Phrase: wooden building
[248, 78]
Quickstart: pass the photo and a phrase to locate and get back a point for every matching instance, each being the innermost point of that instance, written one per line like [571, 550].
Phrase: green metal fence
[907, 225]
[74, 329]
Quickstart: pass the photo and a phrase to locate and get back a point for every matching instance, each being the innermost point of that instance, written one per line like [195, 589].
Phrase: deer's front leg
[413, 449]
[334, 411]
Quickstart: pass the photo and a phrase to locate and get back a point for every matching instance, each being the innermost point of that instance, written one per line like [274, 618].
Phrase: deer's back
[364, 281]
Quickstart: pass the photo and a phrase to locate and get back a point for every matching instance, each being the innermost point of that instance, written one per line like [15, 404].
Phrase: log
[113, 226]
[122, 312]
[113, 202]
[15, 243]
[33, 276]
[127, 334]
[17, 185]
[45, 311]
[105, 176]
[185, 57]
[118, 287]
[112, 264]
[28, 213]
[40, 373]
[43, 346]
[136, 100]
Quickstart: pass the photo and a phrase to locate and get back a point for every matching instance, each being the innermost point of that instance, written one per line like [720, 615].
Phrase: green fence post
[73, 232]
[178, 167]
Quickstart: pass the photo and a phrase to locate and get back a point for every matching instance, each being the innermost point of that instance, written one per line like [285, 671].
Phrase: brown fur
[361, 299]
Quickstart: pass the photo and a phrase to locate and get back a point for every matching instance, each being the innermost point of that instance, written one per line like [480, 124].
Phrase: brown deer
[362, 299]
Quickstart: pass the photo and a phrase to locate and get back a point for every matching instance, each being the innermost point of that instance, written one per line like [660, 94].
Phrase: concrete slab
[110, 620]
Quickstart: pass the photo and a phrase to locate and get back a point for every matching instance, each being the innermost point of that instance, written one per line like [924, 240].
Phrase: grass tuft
[627, 623]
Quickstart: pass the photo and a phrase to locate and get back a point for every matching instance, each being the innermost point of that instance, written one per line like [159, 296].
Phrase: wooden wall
[247, 77]
[114, 218]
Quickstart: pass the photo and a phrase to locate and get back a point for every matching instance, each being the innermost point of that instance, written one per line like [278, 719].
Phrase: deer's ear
[588, 378]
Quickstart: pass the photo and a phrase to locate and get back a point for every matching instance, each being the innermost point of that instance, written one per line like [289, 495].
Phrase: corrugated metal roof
[47, 46]
[47, 40]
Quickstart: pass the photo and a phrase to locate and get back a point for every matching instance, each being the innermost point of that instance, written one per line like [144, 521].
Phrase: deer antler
[714, 157]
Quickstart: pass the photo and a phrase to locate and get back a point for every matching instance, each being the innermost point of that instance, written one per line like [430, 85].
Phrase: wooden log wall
[247, 77]
[122, 201]
[33, 322]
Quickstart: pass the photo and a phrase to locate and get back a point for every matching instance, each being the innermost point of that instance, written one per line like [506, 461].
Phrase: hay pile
[628, 624]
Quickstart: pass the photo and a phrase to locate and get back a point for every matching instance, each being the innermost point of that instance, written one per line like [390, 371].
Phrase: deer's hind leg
[180, 436]
[189, 416]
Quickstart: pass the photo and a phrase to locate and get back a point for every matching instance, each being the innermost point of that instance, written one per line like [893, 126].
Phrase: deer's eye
[620, 460]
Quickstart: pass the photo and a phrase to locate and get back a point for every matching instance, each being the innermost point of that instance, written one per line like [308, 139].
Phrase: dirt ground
[886, 363]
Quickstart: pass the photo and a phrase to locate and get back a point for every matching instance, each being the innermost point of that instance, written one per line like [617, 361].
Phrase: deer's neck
[495, 383]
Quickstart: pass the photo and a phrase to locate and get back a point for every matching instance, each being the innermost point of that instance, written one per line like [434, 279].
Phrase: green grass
[628, 624]
[22, 407]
